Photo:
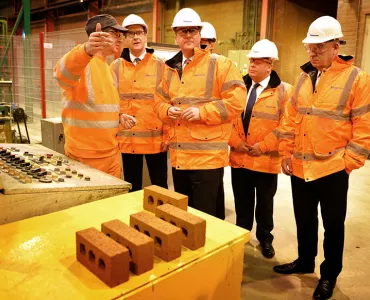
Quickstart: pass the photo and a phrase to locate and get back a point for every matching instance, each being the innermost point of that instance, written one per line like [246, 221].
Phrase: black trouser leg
[305, 212]
[157, 167]
[201, 186]
[244, 196]
[221, 199]
[333, 201]
[133, 170]
[205, 187]
[182, 184]
[266, 186]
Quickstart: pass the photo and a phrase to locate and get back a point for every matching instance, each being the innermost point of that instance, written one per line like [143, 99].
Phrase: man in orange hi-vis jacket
[138, 74]
[199, 96]
[90, 115]
[326, 127]
[254, 157]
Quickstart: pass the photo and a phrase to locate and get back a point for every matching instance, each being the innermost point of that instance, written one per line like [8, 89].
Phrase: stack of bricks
[155, 196]
[193, 227]
[118, 248]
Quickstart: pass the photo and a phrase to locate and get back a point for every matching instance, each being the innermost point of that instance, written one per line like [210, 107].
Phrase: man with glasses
[138, 73]
[199, 96]
[91, 104]
[254, 157]
[326, 135]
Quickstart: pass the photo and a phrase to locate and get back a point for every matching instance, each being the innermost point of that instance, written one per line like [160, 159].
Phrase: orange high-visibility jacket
[90, 113]
[212, 83]
[136, 86]
[327, 128]
[263, 128]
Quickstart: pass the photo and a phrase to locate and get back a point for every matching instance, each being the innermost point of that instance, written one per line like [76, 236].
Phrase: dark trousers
[331, 193]
[202, 188]
[246, 185]
[133, 169]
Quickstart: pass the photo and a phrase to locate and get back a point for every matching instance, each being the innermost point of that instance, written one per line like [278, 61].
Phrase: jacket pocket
[205, 132]
[328, 136]
[152, 122]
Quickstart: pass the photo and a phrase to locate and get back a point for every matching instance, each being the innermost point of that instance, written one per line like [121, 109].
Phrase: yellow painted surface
[38, 261]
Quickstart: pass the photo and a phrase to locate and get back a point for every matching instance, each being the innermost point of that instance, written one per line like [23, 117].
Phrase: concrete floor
[261, 283]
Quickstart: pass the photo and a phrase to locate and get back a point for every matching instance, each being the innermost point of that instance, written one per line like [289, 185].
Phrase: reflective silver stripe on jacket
[90, 92]
[140, 134]
[347, 90]
[192, 100]
[90, 108]
[281, 97]
[210, 76]
[90, 124]
[327, 114]
[136, 96]
[228, 85]
[201, 146]
[313, 156]
[65, 72]
[358, 149]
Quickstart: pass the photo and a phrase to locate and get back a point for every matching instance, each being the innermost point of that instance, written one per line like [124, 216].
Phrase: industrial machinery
[35, 180]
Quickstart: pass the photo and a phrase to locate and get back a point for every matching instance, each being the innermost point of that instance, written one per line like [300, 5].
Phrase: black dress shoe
[268, 250]
[294, 267]
[324, 289]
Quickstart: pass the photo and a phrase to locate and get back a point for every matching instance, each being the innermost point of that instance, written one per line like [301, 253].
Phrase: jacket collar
[176, 61]
[273, 82]
[126, 53]
[339, 62]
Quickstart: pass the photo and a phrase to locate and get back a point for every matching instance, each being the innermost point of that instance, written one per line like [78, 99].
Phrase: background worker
[254, 142]
[208, 36]
[90, 115]
[329, 116]
[199, 96]
[138, 73]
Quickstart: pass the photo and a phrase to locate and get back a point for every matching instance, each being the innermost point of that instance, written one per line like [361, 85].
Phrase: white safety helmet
[208, 31]
[322, 30]
[186, 17]
[264, 48]
[134, 20]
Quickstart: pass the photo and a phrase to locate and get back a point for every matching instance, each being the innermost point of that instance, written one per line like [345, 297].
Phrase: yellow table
[38, 261]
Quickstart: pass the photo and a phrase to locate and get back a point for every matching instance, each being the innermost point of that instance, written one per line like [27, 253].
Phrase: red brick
[155, 195]
[101, 255]
[193, 227]
[140, 246]
[167, 238]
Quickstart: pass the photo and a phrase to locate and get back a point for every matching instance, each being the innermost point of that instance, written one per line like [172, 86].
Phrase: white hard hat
[208, 31]
[322, 30]
[134, 20]
[186, 17]
[264, 48]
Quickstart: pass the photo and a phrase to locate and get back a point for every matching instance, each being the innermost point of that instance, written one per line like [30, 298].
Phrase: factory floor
[260, 282]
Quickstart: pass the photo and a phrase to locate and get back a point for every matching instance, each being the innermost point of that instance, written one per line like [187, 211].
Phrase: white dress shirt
[263, 85]
[183, 60]
[141, 57]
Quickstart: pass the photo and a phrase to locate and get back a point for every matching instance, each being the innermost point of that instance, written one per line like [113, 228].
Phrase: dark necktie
[248, 111]
[137, 60]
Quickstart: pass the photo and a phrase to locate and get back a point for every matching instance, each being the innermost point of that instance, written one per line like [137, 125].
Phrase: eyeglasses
[184, 31]
[131, 34]
[116, 34]
[317, 48]
[260, 61]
